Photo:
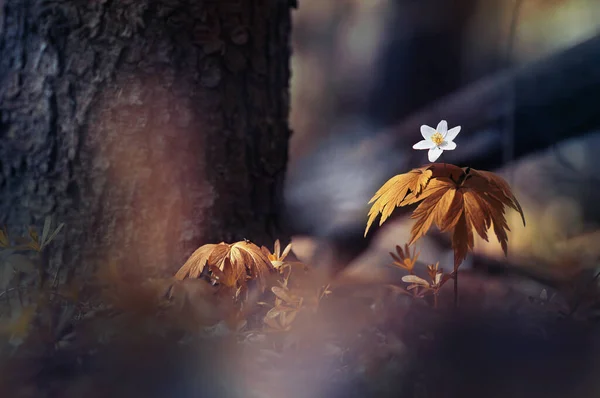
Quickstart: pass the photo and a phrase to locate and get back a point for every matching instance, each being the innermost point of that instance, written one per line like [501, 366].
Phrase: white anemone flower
[437, 140]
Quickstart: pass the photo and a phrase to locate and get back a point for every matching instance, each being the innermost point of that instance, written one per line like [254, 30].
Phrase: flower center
[437, 138]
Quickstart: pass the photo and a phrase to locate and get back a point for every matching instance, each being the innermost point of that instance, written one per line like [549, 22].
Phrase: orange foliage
[231, 265]
[455, 199]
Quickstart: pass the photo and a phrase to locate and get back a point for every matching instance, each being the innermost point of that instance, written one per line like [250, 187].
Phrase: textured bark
[148, 127]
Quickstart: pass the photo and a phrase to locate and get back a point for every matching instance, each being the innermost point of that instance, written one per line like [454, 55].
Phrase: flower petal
[427, 131]
[442, 128]
[434, 154]
[452, 133]
[424, 144]
[448, 145]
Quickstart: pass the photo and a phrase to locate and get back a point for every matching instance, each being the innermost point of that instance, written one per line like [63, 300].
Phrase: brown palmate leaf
[194, 265]
[252, 257]
[395, 191]
[440, 171]
[446, 170]
[226, 274]
[473, 200]
[499, 188]
[477, 212]
[499, 223]
[462, 240]
[231, 264]
[492, 193]
[409, 188]
[454, 199]
[439, 200]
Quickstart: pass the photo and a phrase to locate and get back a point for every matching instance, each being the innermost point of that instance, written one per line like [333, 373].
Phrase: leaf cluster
[457, 200]
[231, 265]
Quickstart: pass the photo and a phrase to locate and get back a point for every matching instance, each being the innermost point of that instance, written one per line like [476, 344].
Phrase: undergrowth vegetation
[241, 320]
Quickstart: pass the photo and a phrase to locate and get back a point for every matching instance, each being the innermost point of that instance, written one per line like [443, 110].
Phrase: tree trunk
[148, 127]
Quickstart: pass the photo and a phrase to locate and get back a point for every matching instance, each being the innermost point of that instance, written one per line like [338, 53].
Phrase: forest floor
[301, 338]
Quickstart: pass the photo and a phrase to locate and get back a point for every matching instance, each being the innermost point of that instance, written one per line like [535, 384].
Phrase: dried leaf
[455, 200]
[194, 266]
[237, 262]
[228, 276]
[462, 241]
[432, 207]
[499, 184]
[415, 279]
[440, 171]
[395, 191]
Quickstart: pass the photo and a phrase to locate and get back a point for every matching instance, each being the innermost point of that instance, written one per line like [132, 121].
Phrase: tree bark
[148, 127]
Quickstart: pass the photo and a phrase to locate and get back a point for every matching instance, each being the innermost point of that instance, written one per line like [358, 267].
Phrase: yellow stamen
[437, 138]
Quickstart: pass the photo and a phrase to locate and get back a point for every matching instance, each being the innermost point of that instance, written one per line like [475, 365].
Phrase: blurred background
[519, 76]
[522, 79]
